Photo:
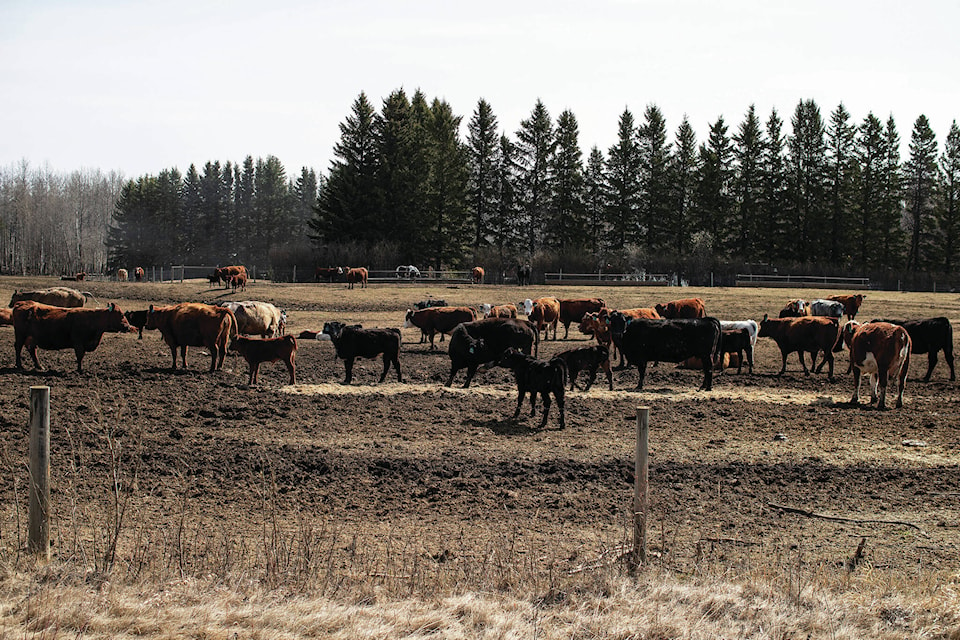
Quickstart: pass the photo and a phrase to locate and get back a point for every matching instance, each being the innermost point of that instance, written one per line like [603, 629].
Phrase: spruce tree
[748, 184]
[683, 181]
[595, 200]
[949, 193]
[775, 234]
[807, 162]
[397, 145]
[840, 182]
[870, 160]
[566, 227]
[714, 192]
[192, 207]
[655, 158]
[536, 144]
[888, 224]
[272, 211]
[483, 153]
[623, 174]
[920, 176]
[446, 202]
[305, 192]
[503, 225]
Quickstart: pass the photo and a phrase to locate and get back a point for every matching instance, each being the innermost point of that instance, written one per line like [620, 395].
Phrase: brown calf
[257, 351]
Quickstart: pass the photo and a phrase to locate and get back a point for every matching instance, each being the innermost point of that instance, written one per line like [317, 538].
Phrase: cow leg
[803, 363]
[783, 367]
[566, 330]
[574, 372]
[948, 356]
[471, 370]
[18, 348]
[902, 379]
[749, 352]
[453, 372]
[79, 350]
[431, 334]
[533, 403]
[606, 369]
[291, 367]
[32, 350]
[558, 394]
[642, 371]
[546, 408]
[593, 376]
[254, 370]
[829, 357]
[857, 379]
[214, 354]
[932, 362]
[348, 366]
[173, 352]
[396, 365]
[183, 355]
[883, 377]
[520, 393]
[707, 374]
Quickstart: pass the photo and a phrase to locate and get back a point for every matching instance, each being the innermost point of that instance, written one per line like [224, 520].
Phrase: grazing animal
[225, 274]
[6, 316]
[672, 340]
[617, 320]
[122, 275]
[733, 341]
[811, 334]
[826, 308]
[587, 359]
[523, 274]
[537, 377]
[137, 319]
[357, 275]
[882, 350]
[54, 296]
[137, 274]
[430, 302]
[795, 308]
[688, 308]
[194, 324]
[545, 313]
[408, 272]
[257, 351]
[573, 310]
[434, 320]
[752, 328]
[256, 318]
[214, 279]
[482, 341]
[68, 278]
[352, 343]
[37, 325]
[327, 273]
[498, 311]
[930, 336]
[239, 281]
[476, 275]
[851, 303]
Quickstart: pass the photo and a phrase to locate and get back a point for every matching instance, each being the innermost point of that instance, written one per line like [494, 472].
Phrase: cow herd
[678, 331]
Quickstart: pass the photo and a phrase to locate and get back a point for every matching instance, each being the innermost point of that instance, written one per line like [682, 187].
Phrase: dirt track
[450, 470]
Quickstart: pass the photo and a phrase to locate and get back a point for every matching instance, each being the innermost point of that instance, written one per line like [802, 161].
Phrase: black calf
[589, 359]
[537, 376]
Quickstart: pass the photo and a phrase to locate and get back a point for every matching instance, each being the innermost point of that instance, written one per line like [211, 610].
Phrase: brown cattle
[122, 275]
[499, 311]
[6, 316]
[239, 281]
[592, 325]
[545, 313]
[257, 351]
[476, 275]
[808, 334]
[226, 273]
[687, 308]
[572, 310]
[194, 324]
[81, 276]
[357, 275]
[44, 326]
[327, 273]
[138, 274]
[434, 320]
[851, 303]
[796, 308]
[54, 296]
[882, 350]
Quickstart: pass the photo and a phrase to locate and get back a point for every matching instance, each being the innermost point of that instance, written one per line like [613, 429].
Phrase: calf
[738, 342]
[482, 341]
[357, 275]
[809, 333]
[257, 351]
[537, 377]
[795, 308]
[137, 319]
[544, 313]
[589, 359]
[666, 340]
[476, 275]
[434, 320]
[352, 343]
[687, 308]
[498, 311]
[618, 320]
[826, 308]
[37, 325]
[238, 281]
[882, 350]
[573, 310]
[851, 303]
[137, 274]
[930, 336]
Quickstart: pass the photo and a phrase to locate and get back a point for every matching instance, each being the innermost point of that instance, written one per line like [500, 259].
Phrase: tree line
[405, 187]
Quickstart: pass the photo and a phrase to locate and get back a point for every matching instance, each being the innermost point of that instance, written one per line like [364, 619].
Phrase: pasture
[381, 494]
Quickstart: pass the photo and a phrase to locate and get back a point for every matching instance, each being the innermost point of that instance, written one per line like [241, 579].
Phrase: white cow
[826, 308]
[257, 318]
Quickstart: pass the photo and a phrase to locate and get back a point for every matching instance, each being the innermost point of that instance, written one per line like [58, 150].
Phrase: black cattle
[537, 377]
[737, 342]
[523, 274]
[137, 319]
[333, 329]
[430, 302]
[930, 336]
[589, 359]
[647, 340]
[483, 341]
[618, 325]
[352, 342]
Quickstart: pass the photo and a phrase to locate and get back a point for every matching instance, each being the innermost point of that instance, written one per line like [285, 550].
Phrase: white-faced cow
[882, 350]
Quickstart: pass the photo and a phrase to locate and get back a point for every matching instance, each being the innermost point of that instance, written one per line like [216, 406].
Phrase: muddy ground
[449, 472]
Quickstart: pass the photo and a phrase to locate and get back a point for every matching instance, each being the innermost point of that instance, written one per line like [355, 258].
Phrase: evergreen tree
[213, 213]
[623, 173]
[920, 176]
[840, 182]
[748, 184]
[503, 224]
[655, 203]
[132, 236]
[272, 212]
[949, 215]
[192, 208]
[774, 234]
[446, 201]
[169, 217]
[398, 145]
[714, 192]
[892, 243]
[807, 162]
[870, 160]
[229, 231]
[566, 227]
[684, 175]
[483, 153]
[536, 144]
[243, 203]
[305, 192]
[596, 200]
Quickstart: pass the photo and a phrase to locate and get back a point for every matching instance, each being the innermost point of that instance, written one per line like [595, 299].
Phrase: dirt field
[443, 477]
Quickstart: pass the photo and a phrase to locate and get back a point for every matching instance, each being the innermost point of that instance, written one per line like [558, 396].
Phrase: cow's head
[527, 306]
[661, 308]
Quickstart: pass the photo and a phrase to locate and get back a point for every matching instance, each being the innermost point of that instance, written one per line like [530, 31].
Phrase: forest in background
[818, 195]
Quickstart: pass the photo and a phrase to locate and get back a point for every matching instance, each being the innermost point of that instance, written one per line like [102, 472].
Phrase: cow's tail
[87, 297]
[536, 339]
[234, 326]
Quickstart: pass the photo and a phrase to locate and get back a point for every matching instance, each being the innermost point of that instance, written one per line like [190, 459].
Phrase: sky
[138, 87]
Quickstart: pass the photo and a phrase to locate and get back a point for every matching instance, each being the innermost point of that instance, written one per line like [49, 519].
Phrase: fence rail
[801, 282]
[609, 279]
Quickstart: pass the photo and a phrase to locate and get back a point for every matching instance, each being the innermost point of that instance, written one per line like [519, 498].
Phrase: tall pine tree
[949, 214]
[920, 176]
[483, 152]
[566, 227]
[536, 144]
[747, 184]
[623, 173]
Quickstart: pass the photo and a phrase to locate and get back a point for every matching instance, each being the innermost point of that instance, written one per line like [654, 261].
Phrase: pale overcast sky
[138, 86]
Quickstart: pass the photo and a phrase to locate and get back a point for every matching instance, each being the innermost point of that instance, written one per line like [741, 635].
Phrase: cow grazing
[572, 310]
[523, 274]
[122, 275]
[434, 320]
[930, 336]
[688, 308]
[795, 308]
[617, 321]
[811, 334]
[357, 275]
[733, 341]
[194, 324]
[352, 343]
[138, 274]
[851, 303]
[225, 274]
[256, 318]
[537, 377]
[882, 350]
[430, 302]
[327, 273]
[137, 320]
[482, 341]
[826, 308]
[476, 275]
[545, 313]
[667, 340]
[54, 296]
[587, 359]
[257, 351]
[52, 328]
[498, 311]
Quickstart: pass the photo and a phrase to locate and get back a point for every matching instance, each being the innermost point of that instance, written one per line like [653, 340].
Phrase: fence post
[641, 472]
[294, 274]
[39, 518]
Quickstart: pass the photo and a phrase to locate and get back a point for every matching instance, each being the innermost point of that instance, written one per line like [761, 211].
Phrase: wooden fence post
[641, 473]
[39, 525]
